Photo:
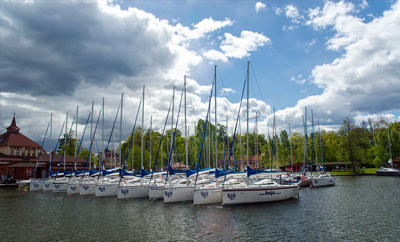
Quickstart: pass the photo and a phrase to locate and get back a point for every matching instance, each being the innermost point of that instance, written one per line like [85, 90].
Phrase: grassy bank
[366, 171]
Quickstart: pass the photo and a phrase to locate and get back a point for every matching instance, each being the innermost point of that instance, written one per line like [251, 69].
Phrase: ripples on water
[355, 209]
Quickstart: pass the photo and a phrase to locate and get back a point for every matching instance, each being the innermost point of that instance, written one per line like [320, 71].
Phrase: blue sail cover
[123, 173]
[175, 171]
[219, 173]
[53, 173]
[144, 173]
[67, 173]
[108, 172]
[251, 172]
[94, 172]
[77, 173]
[192, 172]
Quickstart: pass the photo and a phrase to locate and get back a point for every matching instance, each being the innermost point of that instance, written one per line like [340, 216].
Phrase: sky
[338, 58]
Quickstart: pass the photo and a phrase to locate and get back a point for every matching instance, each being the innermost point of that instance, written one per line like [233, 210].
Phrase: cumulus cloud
[365, 79]
[239, 47]
[349, 28]
[259, 6]
[215, 55]
[53, 61]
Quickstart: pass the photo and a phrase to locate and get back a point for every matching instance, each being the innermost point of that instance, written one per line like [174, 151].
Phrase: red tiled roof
[14, 138]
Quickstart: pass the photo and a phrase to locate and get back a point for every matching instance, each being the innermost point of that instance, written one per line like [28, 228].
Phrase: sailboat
[322, 179]
[132, 186]
[178, 189]
[263, 190]
[388, 171]
[60, 184]
[73, 186]
[34, 184]
[108, 185]
[88, 178]
[211, 192]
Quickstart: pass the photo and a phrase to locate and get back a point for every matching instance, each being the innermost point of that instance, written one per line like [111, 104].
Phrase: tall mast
[240, 138]
[247, 113]
[215, 98]
[209, 140]
[65, 139]
[172, 125]
[186, 129]
[273, 141]
[276, 142]
[291, 155]
[227, 140]
[162, 153]
[256, 142]
[151, 131]
[76, 136]
[120, 133]
[195, 145]
[141, 156]
[91, 135]
[51, 134]
[102, 134]
[76, 133]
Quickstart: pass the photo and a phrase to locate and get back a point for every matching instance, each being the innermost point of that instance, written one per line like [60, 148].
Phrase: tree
[71, 139]
[347, 134]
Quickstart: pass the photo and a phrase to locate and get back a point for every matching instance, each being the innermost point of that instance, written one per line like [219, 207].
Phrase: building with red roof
[19, 155]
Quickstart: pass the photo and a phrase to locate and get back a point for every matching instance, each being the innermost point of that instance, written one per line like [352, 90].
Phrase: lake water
[355, 209]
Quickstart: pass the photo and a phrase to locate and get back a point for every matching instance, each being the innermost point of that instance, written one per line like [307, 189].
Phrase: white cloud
[278, 11]
[313, 42]
[365, 79]
[215, 55]
[202, 28]
[293, 13]
[260, 6]
[298, 80]
[226, 91]
[239, 47]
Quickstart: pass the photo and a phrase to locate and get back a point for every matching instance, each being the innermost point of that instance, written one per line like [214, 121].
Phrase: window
[23, 153]
[17, 152]
[11, 151]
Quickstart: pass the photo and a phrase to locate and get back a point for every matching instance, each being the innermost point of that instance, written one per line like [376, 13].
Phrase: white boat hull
[36, 186]
[87, 189]
[387, 172]
[178, 194]
[207, 195]
[323, 182]
[73, 188]
[23, 183]
[139, 191]
[257, 194]
[156, 192]
[48, 186]
[59, 187]
[106, 190]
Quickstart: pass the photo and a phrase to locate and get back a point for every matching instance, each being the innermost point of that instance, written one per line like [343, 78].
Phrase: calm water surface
[355, 209]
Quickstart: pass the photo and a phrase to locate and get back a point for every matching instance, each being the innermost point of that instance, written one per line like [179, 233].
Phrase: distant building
[19, 154]
[112, 159]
